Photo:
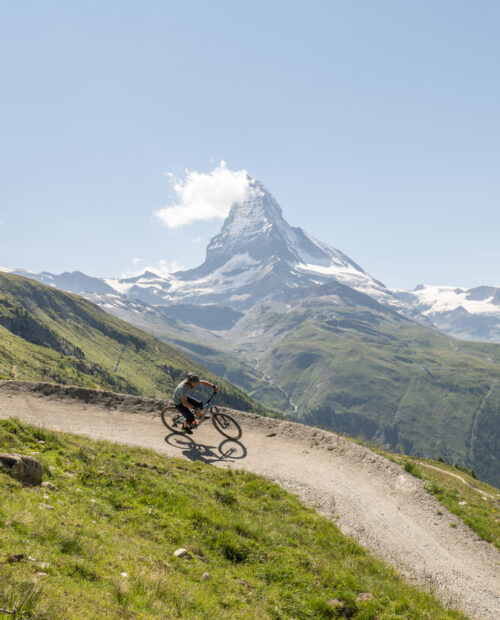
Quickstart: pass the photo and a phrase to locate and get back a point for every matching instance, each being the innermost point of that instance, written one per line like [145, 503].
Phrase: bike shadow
[227, 451]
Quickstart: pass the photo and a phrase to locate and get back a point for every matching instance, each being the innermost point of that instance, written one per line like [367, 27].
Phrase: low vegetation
[459, 490]
[101, 543]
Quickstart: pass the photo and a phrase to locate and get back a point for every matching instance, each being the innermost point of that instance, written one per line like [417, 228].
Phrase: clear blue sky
[376, 126]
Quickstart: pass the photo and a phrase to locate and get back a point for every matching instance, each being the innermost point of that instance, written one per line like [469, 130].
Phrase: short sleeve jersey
[181, 391]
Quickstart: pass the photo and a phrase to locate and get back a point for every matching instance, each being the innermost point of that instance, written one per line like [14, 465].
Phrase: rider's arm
[207, 383]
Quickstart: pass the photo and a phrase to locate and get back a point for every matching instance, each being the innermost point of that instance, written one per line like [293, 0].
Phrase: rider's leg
[197, 406]
[187, 413]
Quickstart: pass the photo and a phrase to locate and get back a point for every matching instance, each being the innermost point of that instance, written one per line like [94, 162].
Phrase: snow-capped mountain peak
[257, 237]
[256, 255]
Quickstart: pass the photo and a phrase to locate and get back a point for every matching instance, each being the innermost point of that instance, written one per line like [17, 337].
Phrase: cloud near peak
[205, 196]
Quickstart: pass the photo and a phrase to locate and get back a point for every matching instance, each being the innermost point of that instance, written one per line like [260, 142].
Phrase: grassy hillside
[475, 502]
[384, 377]
[102, 544]
[49, 335]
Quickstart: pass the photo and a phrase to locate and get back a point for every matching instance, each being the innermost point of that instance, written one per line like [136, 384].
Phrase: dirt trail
[384, 508]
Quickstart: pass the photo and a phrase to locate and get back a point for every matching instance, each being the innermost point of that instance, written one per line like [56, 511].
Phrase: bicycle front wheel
[226, 425]
[171, 417]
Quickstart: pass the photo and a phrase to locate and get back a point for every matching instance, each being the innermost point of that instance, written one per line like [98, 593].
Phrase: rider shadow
[227, 451]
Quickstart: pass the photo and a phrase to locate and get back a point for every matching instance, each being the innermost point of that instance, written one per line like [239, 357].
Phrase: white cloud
[205, 196]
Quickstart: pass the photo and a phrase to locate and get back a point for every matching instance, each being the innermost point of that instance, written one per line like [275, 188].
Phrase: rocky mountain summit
[257, 255]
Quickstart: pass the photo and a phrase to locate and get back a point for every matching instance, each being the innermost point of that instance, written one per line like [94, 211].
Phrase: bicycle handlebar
[213, 394]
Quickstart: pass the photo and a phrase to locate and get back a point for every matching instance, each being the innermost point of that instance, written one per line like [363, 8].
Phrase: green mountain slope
[378, 375]
[49, 335]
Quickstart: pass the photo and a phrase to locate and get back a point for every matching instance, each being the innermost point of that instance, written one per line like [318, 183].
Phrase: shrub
[411, 468]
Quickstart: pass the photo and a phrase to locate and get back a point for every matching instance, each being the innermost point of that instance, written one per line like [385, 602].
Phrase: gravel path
[371, 499]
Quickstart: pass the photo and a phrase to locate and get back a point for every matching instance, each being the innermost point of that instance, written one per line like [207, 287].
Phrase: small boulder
[49, 485]
[206, 576]
[182, 553]
[364, 596]
[47, 506]
[26, 469]
[337, 604]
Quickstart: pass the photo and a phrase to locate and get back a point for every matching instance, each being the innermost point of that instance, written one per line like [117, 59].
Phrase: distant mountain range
[307, 332]
[466, 314]
[256, 256]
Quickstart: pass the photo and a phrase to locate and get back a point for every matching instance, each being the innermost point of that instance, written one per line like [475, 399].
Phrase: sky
[126, 126]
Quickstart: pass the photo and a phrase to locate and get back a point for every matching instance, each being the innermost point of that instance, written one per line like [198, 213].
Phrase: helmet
[193, 377]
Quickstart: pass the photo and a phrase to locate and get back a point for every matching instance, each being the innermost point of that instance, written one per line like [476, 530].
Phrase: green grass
[106, 548]
[476, 503]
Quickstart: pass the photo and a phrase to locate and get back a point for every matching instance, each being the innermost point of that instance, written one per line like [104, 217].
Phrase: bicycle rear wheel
[226, 424]
[172, 418]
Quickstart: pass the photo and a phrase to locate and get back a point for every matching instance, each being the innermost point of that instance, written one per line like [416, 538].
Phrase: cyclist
[183, 402]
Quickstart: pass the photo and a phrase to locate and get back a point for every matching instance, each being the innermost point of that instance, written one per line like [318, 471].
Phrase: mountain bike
[224, 423]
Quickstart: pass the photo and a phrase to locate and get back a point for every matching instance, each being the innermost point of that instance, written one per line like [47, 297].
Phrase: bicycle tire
[226, 425]
[168, 415]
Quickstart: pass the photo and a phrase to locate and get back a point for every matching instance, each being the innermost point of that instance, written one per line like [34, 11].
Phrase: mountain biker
[184, 403]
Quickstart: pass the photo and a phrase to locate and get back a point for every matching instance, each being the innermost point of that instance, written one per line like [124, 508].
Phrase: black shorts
[197, 404]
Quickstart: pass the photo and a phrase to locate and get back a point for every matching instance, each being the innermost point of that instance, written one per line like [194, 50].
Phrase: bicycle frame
[204, 409]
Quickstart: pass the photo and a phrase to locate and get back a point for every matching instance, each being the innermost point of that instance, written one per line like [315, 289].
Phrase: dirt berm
[371, 499]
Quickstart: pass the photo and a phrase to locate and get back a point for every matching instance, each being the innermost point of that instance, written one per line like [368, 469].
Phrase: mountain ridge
[258, 255]
[255, 254]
